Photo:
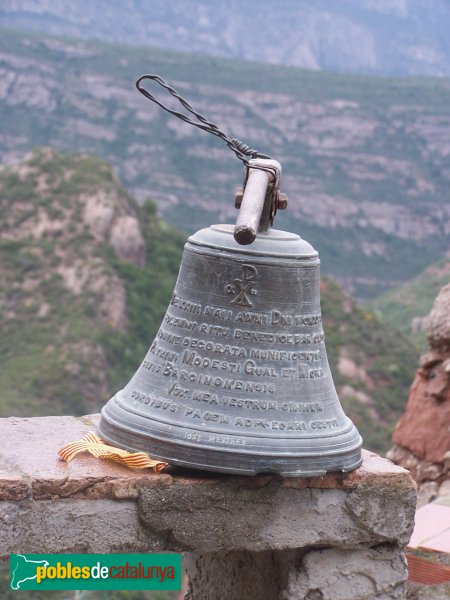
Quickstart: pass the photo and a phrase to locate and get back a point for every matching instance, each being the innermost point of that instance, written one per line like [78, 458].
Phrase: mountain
[387, 37]
[78, 264]
[372, 364]
[407, 307]
[366, 161]
[86, 275]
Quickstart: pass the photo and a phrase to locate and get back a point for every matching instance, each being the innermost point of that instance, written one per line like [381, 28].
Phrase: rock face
[66, 222]
[439, 322]
[366, 161]
[423, 428]
[350, 36]
[69, 207]
[421, 437]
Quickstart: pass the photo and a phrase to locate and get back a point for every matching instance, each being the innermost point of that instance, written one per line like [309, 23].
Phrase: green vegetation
[122, 59]
[340, 254]
[57, 353]
[403, 306]
[385, 358]
[148, 292]
[347, 144]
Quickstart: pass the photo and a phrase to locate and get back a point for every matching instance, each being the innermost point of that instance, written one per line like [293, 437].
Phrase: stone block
[72, 526]
[233, 514]
[365, 574]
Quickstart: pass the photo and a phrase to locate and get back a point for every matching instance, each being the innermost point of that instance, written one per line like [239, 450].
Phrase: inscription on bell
[232, 365]
[239, 368]
[242, 287]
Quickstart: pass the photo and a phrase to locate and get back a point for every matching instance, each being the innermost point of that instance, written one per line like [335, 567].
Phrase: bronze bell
[237, 379]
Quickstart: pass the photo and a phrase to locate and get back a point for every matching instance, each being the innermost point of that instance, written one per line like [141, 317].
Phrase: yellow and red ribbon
[91, 443]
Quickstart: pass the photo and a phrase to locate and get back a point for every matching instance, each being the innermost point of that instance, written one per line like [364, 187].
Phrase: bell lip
[288, 462]
[238, 463]
[275, 243]
[286, 471]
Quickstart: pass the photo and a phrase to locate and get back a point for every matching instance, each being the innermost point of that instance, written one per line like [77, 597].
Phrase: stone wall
[336, 537]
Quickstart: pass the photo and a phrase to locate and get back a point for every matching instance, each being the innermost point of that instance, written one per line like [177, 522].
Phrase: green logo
[95, 571]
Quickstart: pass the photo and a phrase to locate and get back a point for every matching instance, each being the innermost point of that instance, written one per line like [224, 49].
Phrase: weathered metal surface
[258, 201]
[237, 379]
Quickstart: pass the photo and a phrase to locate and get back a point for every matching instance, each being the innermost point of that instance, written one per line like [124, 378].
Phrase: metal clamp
[259, 200]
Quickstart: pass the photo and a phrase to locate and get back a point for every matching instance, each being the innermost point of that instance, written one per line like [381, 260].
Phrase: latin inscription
[207, 416]
[252, 318]
[235, 358]
[286, 320]
[250, 423]
[210, 416]
[251, 368]
[168, 337]
[278, 338]
[178, 391]
[250, 404]
[285, 355]
[266, 424]
[151, 367]
[194, 359]
[153, 401]
[275, 318]
[170, 370]
[169, 355]
[215, 312]
[187, 305]
[216, 347]
[213, 330]
[302, 406]
[180, 322]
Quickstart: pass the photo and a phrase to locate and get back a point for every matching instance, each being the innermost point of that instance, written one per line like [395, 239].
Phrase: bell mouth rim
[300, 462]
[115, 427]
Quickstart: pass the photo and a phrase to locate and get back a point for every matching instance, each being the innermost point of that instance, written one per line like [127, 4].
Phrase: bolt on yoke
[259, 200]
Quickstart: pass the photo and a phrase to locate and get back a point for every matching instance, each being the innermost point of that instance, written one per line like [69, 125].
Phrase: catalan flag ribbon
[90, 442]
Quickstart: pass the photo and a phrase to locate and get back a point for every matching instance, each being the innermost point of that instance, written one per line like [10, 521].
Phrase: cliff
[421, 437]
[71, 237]
[396, 37]
[366, 161]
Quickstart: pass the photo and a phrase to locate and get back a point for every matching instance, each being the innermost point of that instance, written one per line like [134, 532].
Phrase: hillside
[86, 276]
[372, 364]
[388, 37]
[366, 160]
[407, 307]
[78, 299]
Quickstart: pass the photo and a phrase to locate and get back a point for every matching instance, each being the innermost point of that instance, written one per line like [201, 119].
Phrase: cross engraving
[243, 288]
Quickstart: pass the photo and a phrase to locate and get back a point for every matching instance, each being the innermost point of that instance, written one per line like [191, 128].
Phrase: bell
[237, 379]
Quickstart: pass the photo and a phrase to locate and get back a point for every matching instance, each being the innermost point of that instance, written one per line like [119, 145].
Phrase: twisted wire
[241, 150]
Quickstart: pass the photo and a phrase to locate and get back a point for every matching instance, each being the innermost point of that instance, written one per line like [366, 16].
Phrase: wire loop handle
[241, 150]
